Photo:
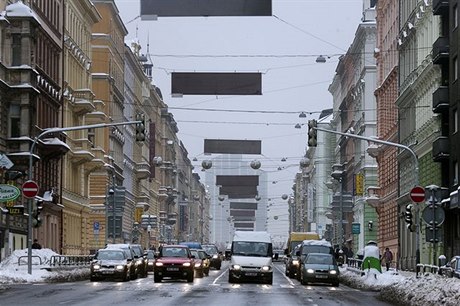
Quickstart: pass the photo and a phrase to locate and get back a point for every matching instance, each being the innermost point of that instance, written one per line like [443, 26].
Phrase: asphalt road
[211, 290]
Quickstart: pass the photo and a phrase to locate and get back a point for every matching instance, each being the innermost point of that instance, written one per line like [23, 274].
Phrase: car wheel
[270, 280]
[190, 278]
[302, 281]
[157, 278]
[93, 279]
[127, 277]
[218, 267]
[231, 279]
[335, 284]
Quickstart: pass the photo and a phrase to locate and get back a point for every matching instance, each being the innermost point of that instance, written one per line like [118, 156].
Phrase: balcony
[142, 170]
[440, 7]
[441, 50]
[441, 99]
[441, 149]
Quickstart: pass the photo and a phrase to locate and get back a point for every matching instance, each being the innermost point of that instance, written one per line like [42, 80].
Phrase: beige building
[83, 158]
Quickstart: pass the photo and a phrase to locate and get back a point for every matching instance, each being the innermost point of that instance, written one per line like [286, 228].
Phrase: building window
[455, 173]
[16, 50]
[455, 16]
[14, 120]
[455, 68]
[455, 120]
[91, 137]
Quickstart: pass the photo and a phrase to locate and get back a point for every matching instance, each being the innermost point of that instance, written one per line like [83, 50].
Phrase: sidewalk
[404, 288]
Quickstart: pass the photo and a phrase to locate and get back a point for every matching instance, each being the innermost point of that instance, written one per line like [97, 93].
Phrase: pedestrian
[36, 245]
[387, 258]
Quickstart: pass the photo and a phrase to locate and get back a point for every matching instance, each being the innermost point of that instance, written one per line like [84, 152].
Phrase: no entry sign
[29, 189]
[417, 194]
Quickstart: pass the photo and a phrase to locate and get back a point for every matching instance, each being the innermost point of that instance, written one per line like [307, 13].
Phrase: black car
[216, 256]
[452, 268]
[292, 265]
[150, 260]
[137, 252]
[113, 264]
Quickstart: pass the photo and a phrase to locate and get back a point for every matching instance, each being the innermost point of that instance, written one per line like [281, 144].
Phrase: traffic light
[36, 219]
[408, 217]
[140, 127]
[312, 133]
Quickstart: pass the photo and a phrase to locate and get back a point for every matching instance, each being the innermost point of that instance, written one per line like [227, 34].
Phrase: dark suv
[216, 256]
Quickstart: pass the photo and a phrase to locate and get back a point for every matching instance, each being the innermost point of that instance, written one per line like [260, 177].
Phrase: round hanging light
[255, 164]
[206, 164]
[284, 196]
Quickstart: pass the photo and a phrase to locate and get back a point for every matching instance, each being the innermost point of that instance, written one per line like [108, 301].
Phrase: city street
[211, 290]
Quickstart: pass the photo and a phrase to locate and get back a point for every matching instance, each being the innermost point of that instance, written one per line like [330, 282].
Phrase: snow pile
[405, 288]
[14, 269]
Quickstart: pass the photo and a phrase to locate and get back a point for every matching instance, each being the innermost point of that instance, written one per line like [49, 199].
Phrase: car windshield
[319, 259]
[315, 249]
[174, 252]
[249, 248]
[195, 253]
[110, 255]
[210, 249]
[202, 254]
[150, 255]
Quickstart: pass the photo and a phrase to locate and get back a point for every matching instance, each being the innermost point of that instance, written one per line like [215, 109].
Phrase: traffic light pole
[416, 174]
[30, 173]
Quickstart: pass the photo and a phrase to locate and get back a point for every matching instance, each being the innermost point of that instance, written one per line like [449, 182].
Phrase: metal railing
[70, 260]
[34, 256]
[422, 268]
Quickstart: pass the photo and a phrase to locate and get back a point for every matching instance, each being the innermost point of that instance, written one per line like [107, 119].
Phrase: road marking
[287, 278]
[217, 278]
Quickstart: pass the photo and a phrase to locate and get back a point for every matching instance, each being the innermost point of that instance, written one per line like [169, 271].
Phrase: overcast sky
[282, 47]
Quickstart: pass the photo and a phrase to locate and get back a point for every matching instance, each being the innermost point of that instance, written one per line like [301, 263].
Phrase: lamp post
[337, 174]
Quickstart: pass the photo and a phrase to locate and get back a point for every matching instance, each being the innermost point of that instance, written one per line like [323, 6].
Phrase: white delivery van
[251, 257]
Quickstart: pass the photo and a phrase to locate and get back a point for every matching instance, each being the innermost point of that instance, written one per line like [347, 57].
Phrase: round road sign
[417, 194]
[29, 189]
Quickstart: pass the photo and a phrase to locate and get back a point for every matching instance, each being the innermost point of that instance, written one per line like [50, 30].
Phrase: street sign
[356, 228]
[29, 189]
[15, 210]
[417, 194]
[436, 214]
[96, 225]
[8, 192]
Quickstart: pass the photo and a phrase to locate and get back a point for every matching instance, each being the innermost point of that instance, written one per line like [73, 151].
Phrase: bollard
[442, 260]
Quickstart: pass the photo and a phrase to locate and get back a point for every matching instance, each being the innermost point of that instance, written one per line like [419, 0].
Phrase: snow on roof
[19, 9]
[317, 242]
[256, 236]
[54, 142]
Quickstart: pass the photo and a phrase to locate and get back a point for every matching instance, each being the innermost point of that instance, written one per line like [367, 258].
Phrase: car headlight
[186, 264]
[120, 267]
[197, 265]
[310, 271]
[332, 272]
[158, 264]
[236, 267]
[215, 256]
[139, 262]
[96, 267]
[266, 268]
[295, 262]
[150, 263]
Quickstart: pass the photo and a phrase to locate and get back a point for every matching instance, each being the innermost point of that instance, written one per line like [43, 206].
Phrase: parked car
[175, 262]
[216, 256]
[452, 268]
[113, 264]
[139, 257]
[292, 266]
[319, 268]
[150, 260]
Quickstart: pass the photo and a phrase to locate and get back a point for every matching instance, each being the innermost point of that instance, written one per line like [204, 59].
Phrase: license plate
[107, 272]
[172, 269]
[251, 274]
[321, 276]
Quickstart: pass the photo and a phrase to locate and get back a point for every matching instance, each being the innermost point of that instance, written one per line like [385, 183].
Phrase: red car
[175, 262]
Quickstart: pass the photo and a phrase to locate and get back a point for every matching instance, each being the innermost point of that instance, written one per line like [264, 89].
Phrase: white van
[251, 257]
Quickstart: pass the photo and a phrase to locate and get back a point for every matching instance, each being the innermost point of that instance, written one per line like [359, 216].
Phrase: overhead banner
[218, 83]
[243, 191]
[150, 9]
[227, 146]
[237, 180]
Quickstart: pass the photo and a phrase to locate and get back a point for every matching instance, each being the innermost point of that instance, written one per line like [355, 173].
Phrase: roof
[317, 242]
[256, 236]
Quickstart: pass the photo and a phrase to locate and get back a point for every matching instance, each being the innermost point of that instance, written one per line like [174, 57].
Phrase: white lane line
[287, 278]
[217, 278]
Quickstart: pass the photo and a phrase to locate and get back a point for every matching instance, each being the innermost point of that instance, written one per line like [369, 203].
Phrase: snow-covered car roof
[317, 242]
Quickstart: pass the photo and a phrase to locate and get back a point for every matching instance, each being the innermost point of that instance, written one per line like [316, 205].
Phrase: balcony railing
[441, 148]
[441, 99]
[441, 51]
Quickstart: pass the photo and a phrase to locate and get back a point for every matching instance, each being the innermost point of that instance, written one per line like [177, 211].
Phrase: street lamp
[337, 174]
